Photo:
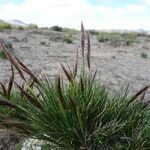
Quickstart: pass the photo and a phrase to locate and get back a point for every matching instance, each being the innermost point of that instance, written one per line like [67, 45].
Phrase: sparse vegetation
[93, 32]
[144, 55]
[2, 55]
[124, 38]
[57, 28]
[77, 114]
[43, 42]
[32, 26]
[20, 27]
[4, 25]
[67, 40]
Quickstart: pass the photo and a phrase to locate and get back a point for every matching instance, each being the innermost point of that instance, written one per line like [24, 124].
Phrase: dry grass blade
[4, 91]
[88, 50]
[138, 94]
[68, 75]
[7, 103]
[76, 64]
[59, 91]
[74, 106]
[20, 125]
[10, 84]
[27, 70]
[81, 84]
[82, 39]
[94, 76]
[143, 96]
[31, 84]
[13, 62]
[33, 100]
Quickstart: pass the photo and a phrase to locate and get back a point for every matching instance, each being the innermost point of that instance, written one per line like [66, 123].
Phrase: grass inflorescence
[79, 113]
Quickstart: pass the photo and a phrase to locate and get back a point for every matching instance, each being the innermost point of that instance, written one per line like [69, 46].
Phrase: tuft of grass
[67, 40]
[57, 28]
[77, 112]
[124, 38]
[4, 25]
[144, 55]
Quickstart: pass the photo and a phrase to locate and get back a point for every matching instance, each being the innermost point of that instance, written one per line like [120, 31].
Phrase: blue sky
[3, 2]
[113, 3]
[96, 14]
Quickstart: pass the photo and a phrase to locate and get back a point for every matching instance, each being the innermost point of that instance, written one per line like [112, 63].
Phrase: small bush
[20, 27]
[68, 40]
[57, 28]
[2, 55]
[103, 39]
[32, 26]
[106, 36]
[122, 38]
[4, 25]
[144, 55]
[43, 43]
[93, 32]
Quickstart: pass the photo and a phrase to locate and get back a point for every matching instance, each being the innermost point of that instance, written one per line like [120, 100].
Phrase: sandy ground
[44, 50]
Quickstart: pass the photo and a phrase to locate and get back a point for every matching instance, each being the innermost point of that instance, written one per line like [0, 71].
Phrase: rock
[14, 39]
[7, 44]
[25, 39]
[8, 139]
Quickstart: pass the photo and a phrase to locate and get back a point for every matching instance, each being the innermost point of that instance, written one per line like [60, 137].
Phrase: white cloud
[69, 13]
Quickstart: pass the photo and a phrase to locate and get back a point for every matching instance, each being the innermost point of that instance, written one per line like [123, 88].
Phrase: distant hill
[16, 22]
[2, 21]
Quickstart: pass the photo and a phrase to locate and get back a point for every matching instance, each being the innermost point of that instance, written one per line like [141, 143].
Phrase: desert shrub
[70, 30]
[43, 42]
[57, 28]
[129, 38]
[20, 27]
[108, 36]
[32, 26]
[124, 38]
[144, 55]
[93, 32]
[80, 113]
[2, 55]
[67, 40]
[4, 25]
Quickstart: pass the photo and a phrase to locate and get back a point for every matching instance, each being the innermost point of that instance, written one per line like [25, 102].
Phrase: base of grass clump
[77, 113]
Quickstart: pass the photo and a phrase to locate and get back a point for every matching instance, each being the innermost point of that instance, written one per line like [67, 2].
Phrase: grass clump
[81, 113]
[67, 40]
[4, 25]
[57, 28]
[144, 55]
